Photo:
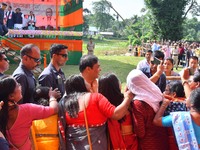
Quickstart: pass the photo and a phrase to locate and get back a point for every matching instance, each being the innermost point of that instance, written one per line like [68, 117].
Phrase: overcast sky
[126, 8]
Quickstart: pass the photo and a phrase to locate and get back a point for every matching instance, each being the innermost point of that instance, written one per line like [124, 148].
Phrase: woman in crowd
[168, 69]
[121, 132]
[175, 92]
[16, 120]
[97, 109]
[3, 142]
[186, 124]
[146, 103]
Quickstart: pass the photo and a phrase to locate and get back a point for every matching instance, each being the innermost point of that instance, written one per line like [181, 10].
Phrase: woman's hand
[128, 95]
[54, 93]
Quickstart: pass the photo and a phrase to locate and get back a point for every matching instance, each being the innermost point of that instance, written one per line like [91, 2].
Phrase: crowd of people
[91, 110]
[179, 51]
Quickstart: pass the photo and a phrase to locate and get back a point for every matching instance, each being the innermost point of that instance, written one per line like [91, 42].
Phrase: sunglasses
[35, 59]
[63, 55]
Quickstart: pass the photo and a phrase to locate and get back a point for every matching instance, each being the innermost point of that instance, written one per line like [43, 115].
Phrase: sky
[126, 8]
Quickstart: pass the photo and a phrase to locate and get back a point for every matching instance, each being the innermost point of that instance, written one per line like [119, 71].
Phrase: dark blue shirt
[52, 78]
[1, 16]
[3, 144]
[27, 80]
[161, 83]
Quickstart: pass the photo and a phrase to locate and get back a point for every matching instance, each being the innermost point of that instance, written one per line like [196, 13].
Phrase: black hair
[194, 58]
[71, 104]
[195, 99]
[4, 4]
[87, 61]
[26, 49]
[170, 59]
[196, 77]
[177, 87]
[7, 87]
[75, 83]
[159, 55]
[109, 86]
[149, 51]
[56, 48]
[74, 86]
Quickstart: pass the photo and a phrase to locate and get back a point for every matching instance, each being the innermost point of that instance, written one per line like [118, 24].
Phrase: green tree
[191, 29]
[168, 17]
[102, 17]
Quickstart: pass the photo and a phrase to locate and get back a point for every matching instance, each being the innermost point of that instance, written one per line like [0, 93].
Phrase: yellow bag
[45, 133]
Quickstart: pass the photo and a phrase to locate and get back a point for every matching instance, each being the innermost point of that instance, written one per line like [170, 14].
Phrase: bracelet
[52, 99]
[184, 82]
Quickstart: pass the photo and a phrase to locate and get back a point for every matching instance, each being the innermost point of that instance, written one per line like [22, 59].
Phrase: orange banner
[73, 19]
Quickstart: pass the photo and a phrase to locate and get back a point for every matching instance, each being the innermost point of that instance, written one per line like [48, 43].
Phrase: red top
[181, 50]
[150, 137]
[99, 109]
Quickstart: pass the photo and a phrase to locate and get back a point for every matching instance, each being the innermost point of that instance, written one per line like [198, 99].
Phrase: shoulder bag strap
[86, 125]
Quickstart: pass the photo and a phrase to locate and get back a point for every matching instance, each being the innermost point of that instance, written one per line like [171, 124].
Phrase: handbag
[86, 125]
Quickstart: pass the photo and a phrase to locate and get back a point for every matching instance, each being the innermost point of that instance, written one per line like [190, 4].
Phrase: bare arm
[184, 78]
[54, 94]
[156, 76]
[158, 117]
[121, 110]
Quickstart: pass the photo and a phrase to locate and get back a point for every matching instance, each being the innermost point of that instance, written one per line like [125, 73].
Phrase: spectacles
[35, 59]
[63, 55]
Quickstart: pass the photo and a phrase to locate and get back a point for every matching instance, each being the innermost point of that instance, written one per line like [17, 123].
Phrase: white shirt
[143, 64]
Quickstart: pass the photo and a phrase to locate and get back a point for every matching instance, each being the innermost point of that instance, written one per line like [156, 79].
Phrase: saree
[184, 131]
[77, 138]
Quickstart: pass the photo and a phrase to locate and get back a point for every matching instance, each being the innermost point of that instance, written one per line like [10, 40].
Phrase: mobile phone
[155, 61]
[191, 71]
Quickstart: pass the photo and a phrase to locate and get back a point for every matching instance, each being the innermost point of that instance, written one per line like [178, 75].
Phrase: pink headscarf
[144, 89]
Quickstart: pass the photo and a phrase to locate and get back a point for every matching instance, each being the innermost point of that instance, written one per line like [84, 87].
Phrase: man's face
[4, 7]
[153, 67]
[193, 63]
[148, 56]
[95, 70]
[61, 58]
[4, 63]
[33, 59]
[48, 12]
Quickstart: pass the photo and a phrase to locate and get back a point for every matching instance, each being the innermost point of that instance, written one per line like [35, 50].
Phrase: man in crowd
[146, 62]
[155, 71]
[18, 20]
[30, 59]
[90, 47]
[9, 18]
[4, 63]
[3, 28]
[53, 76]
[90, 68]
[193, 65]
